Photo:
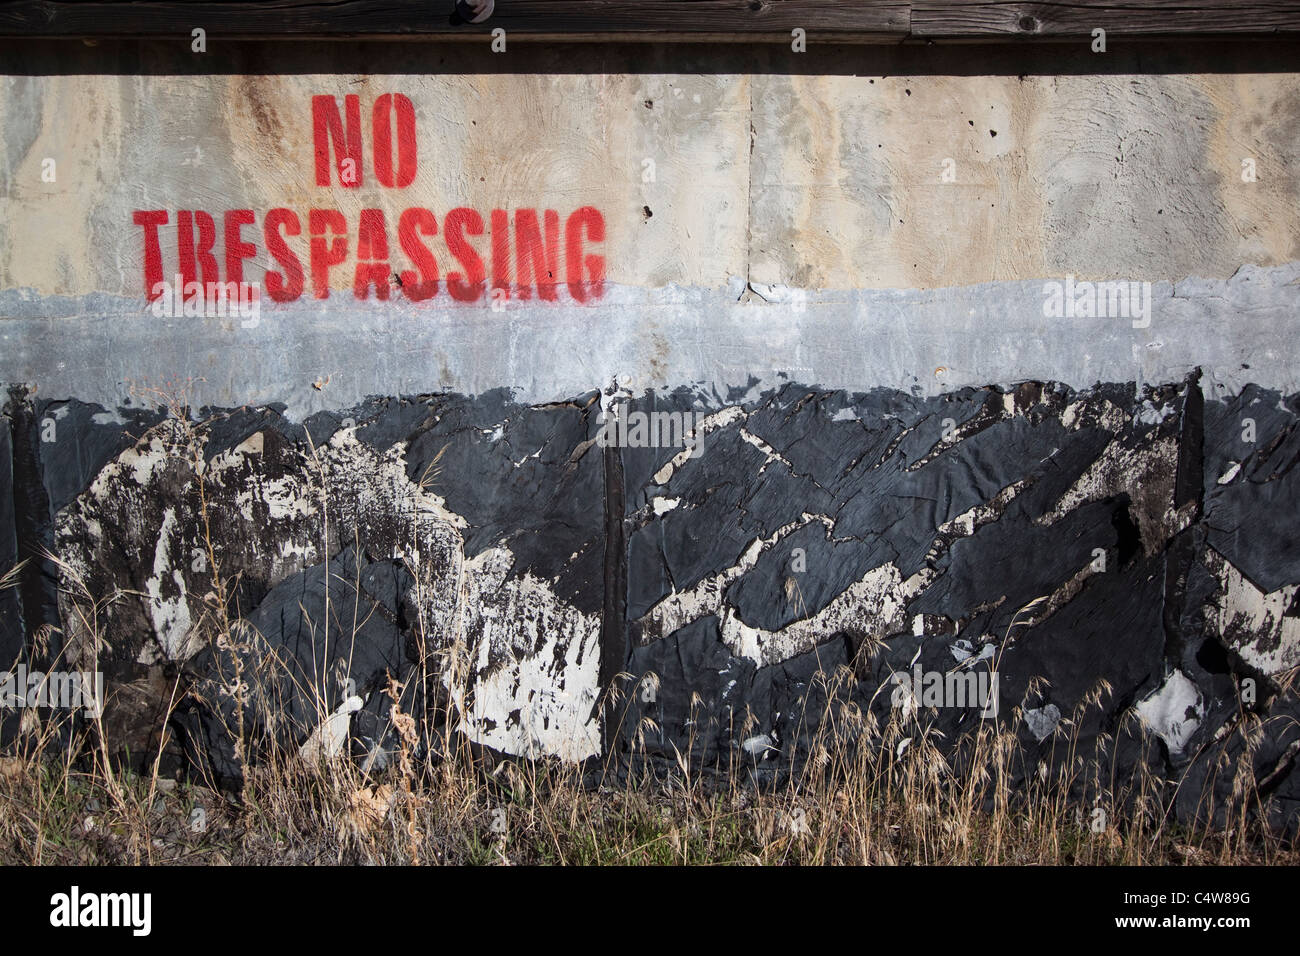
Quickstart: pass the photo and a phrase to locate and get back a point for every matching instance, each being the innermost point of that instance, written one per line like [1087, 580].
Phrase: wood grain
[991, 19]
[836, 20]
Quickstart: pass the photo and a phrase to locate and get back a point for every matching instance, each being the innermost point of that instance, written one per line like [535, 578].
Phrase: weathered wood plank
[412, 17]
[992, 19]
[838, 20]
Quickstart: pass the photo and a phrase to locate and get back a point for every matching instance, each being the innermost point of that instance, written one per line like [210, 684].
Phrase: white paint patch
[533, 665]
[972, 519]
[663, 505]
[141, 461]
[331, 736]
[171, 615]
[964, 650]
[710, 423]
[1089, 413]
[1042, 721]
[1148, 413]
[284, 498]
[252, 445]
[1147, 475]
[1173, 711]
[769, 453]
[680, 608]
[1254, 624]
[875, 606]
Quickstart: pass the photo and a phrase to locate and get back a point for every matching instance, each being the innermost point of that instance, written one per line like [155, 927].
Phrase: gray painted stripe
[90, 347]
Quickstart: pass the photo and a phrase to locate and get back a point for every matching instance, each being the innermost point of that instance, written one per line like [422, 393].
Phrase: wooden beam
[1006, 19]
[349, 18]
[824, 20]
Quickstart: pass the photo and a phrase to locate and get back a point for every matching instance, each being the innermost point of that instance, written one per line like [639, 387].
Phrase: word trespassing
[331, 241]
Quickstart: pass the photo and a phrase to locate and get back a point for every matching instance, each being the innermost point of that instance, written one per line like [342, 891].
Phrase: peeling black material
[1069, 536]
[32, 522]
[11, 619]
[613, 625]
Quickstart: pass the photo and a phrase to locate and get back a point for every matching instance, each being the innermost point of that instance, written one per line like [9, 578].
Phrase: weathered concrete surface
[760, 188]
[217, 143]
[413, 491]
[838, 186]
[1136, 176]
[1238, 331]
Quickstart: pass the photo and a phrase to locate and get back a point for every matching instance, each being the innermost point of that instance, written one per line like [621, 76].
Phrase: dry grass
[879, 809]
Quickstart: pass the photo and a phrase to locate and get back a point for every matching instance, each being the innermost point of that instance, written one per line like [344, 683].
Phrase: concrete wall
[827, 184]
[839, 265]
